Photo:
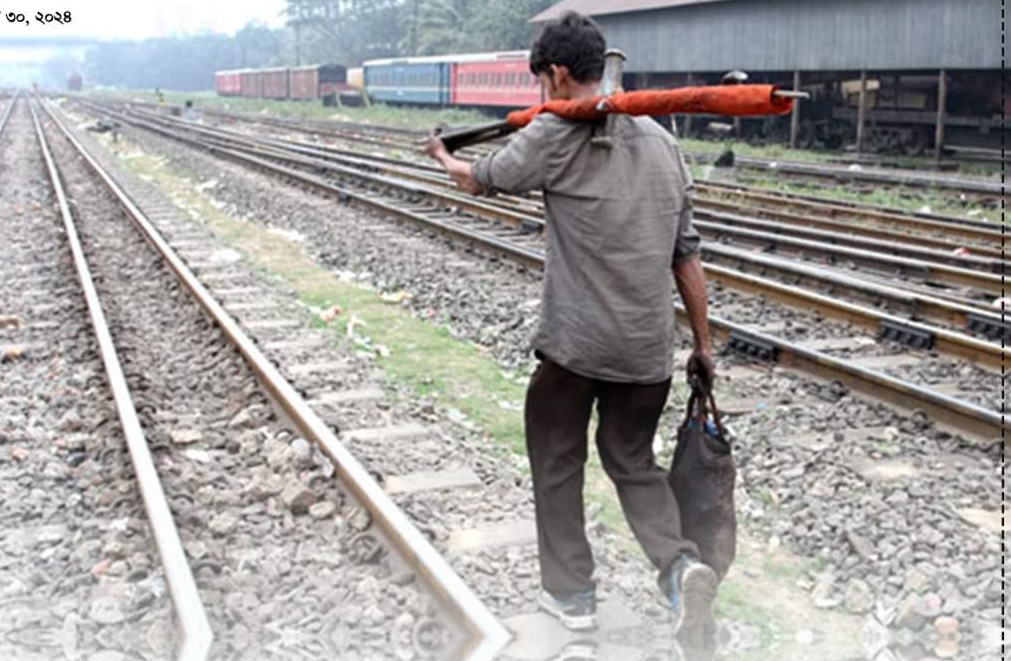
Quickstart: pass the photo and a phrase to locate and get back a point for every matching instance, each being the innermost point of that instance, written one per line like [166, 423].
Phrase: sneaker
[579, 650]
[577, 612]
[691, 593]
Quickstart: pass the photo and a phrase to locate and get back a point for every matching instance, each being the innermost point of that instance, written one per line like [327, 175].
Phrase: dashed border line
[1003, 312]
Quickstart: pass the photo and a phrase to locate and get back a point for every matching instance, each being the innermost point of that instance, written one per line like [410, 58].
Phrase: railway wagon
[501, 80]
[251, 85]
[274, 82]
[411, 80]
[315, 81]
[228, 83]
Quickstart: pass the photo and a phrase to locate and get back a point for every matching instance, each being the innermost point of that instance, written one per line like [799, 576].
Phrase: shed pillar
[861, 111]
[942, 109]
[795, 113]
[688, 117]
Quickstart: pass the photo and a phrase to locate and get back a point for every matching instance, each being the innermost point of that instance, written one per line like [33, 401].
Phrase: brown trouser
[557, 414]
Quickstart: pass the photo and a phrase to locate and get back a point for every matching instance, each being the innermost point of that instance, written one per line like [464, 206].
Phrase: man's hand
[700, 366]
[435, 147]
[459, 171]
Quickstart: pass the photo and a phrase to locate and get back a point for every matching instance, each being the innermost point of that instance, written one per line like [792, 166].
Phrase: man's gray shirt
[616, 220]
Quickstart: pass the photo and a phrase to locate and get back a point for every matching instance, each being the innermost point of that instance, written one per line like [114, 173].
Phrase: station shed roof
[796, 35]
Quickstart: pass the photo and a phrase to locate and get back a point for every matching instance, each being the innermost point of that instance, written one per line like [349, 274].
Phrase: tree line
[315, 31]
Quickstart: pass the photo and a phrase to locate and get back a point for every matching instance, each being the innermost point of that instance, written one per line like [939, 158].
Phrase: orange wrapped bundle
[730, 100]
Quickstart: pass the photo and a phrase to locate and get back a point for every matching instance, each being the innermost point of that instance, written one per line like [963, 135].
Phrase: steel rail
[944, 251]
[487, 635]
[950, 413]
[325, 127]
[968, 229]
[919, 304]
[195, 628]
[926, 248]
[988, 283]
[929, 271]
[957, 344]
[945, 341]
[454, 199]
[333, 129]
[974, 229]
[875, 176]
[875, 242]
[7, 112]
[928, 222]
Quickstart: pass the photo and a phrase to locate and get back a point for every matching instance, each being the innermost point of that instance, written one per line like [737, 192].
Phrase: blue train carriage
[409, 80]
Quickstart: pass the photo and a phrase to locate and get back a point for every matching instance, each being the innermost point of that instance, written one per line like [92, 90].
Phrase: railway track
[796, 426]
[516, 234]
[930, 264]
[820, 470]
[139, 271]
[974, 191]
[835, 215]
[969, 190]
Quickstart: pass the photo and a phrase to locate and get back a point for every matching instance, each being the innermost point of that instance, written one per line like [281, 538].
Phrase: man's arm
[458, 170]
[691, 283]
[521, 165]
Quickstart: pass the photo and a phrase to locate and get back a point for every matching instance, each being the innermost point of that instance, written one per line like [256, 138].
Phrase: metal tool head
[735, 77]
[614, 68]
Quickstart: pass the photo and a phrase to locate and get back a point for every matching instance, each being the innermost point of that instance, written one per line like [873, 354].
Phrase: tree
[181, 63]
[356, 29]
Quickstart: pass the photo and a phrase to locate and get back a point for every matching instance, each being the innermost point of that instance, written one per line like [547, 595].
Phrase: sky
[136, 19]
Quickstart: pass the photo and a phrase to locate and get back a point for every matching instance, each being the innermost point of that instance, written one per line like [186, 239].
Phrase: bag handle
[701, 397]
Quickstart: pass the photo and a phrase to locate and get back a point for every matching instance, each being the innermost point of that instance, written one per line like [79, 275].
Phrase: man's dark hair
[574, 41]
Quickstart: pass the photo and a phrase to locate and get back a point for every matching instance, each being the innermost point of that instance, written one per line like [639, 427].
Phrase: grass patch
[772, 152]
[782, 152]
[421, 119]
[420, 355]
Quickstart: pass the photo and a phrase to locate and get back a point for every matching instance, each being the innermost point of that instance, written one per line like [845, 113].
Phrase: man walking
[618, 222]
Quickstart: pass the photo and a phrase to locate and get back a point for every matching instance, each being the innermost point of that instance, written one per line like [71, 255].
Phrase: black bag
[702, 477]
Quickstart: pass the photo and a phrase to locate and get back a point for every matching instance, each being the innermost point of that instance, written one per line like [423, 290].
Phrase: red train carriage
[275, 83]
[252, 83]
[500, 80]
[228, 83]
[315, 81]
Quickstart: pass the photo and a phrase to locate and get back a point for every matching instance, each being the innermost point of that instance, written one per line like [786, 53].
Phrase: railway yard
[263, 381]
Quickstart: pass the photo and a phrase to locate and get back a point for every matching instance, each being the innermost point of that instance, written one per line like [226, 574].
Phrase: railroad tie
[520, 532]
[452, 478]
[342, 397]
